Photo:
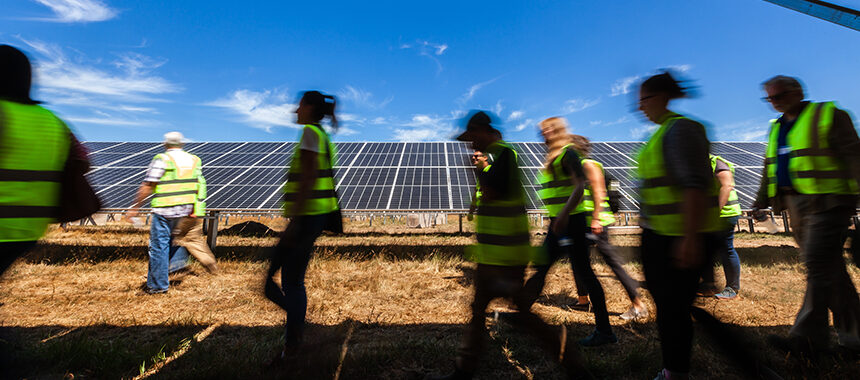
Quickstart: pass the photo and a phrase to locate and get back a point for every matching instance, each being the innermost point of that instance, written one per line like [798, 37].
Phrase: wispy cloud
[623, 86]
[578, 104]
[473, 89]
[643, 130]
[515, 115]
[428, 49]
[620, 120]
[362, 98]
[78, 10]
[259, 109]
[754, 129]
[425, 128]
[525, 124]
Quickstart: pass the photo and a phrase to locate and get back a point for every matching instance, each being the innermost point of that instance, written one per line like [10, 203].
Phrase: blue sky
[407, 71]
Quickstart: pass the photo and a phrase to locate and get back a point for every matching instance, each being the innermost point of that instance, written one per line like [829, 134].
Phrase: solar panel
[374, 175]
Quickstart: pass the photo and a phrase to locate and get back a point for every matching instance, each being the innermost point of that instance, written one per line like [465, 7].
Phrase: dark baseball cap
[479, 121]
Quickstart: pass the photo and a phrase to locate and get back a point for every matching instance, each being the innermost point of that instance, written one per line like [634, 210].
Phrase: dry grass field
[384, 302]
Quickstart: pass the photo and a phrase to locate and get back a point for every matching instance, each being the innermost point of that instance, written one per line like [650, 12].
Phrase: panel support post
[212, 232]
[751, 221]
[785, 221]
[461, 222]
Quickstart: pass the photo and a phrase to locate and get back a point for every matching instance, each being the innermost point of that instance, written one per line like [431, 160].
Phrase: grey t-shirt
[685, 152]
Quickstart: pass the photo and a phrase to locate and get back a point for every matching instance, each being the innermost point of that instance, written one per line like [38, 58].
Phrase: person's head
[555, 135]
[15, 75]
[784, 93]
[480, 131]
[173, 140]
[581, 144]
[315, 106]
[655, 94]
[479, 159]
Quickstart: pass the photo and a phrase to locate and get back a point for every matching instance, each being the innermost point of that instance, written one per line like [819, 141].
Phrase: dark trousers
[580, 260]
[611, 258]
[828, 285]
[291, 255]
[493, 281]
[11, 251]
[673, 290]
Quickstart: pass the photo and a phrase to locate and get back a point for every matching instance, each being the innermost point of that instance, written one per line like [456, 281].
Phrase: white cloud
[78, 10]
[579, 104]
[642, 131]
[522, 126]
[262, 110]
[498, 108]
[623, 86]
[515, 115]
[620, 120]
[754, 129]
[362, 98]
[428, 49]
[109, 120]
[425, 128]
[470, 93]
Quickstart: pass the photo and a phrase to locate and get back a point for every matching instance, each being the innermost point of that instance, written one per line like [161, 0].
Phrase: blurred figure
[310, 203]
[502, 253]
[33, 153]
[562, 187]
[175, 181]
[479, 161]
[812, 168]
[730, 210]
[598, 216]
[678, 197]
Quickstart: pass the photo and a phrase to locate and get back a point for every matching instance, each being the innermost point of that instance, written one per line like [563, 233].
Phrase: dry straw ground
[380, 306]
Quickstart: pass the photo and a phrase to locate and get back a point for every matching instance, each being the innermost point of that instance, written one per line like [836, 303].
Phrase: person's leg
[469, 353]
[795, 219]
[535, 284]
[611, 257]
[730, 260]
[189, 234]
[580, 258]
[178, 255]
[293, 274]
[11, 251]
[159, 253]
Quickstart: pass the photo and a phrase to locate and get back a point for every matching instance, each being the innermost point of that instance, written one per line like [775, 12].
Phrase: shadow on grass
[361, 351]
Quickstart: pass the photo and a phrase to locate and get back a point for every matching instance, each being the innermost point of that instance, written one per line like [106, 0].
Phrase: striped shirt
[153, 175]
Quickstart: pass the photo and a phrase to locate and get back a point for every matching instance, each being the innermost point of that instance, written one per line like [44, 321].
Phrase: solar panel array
[373, 175]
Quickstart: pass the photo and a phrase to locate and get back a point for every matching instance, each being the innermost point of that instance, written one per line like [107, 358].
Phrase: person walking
[188, 232]
[562, 187]
[173, 180]
[311, 204]
[812, 169]
[730, 211]
[598, 216]
[678, 197]
[479, 161]
[502, 253]
[34, 148]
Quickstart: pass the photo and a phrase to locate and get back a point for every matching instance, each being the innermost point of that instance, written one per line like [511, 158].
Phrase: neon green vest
[200, 203]
[322, 198]
[502, 225]
[34, 145]
[555, 187]
[733, 205]
[177, 186]
[812, 166]
[587, 204]
[660, 197]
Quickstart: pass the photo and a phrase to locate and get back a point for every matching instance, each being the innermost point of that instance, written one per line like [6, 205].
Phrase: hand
[132, 213]
[596, 227]
[470, 216]
[559, 226]
[687, 253]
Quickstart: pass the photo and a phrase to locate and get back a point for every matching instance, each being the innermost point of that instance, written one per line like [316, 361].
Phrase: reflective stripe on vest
[322, 198]
[34, 145]
[812, 165]
[501, 225]
[587, 204]
[555, 185]
[179, 185]
[660, 197]
[733, 205]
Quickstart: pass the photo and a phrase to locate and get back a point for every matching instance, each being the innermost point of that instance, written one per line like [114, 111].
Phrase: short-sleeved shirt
[153, 175]
[309, 141]
[721, 167]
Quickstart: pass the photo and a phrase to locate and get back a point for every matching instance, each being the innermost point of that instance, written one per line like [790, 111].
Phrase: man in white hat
[175, 181]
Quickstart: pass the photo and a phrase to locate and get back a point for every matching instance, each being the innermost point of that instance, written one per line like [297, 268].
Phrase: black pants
[494, 281]
[580, 260]
[291, 255]
[11, 251]
[611, 257]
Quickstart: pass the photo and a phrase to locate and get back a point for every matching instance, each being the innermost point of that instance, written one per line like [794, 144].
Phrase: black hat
[15, 75]
[480, 121]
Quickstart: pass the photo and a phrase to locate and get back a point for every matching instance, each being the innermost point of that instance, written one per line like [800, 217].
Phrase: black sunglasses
[776, 97]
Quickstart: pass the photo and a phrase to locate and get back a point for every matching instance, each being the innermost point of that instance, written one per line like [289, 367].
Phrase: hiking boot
[212, 268]
[598, 338]
[727, 294]
[580, 306]
[147, 290]
[633, 313]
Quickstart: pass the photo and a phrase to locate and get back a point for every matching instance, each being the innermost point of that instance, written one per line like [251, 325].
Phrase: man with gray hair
[175, 181]
[812, 169]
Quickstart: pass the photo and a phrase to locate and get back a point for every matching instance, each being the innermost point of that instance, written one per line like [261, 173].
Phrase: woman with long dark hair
[310, 203]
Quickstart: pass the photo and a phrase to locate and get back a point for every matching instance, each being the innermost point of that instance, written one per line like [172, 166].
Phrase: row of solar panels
[371, 176]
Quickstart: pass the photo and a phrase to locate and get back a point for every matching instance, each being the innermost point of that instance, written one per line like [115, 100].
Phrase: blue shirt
[783, 153]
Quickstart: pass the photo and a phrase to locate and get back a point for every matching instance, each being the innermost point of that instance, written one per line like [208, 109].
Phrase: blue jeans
[163, 258]
[291, 255]
[728, 257]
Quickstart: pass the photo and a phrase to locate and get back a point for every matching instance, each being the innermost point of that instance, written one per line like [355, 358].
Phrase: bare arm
[598, 193]
[727, 184]
[146, 189]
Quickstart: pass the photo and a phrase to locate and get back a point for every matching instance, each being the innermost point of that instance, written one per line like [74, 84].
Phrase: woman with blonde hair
[562, 183]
